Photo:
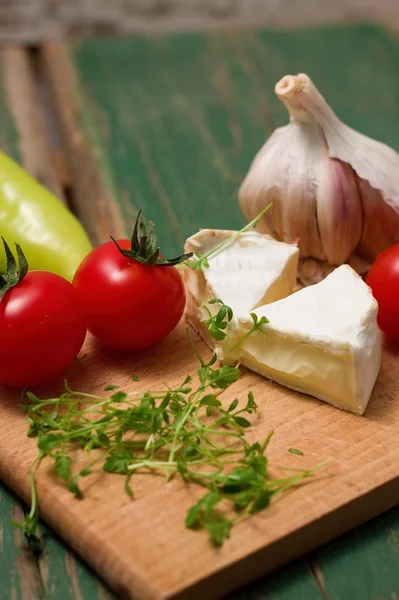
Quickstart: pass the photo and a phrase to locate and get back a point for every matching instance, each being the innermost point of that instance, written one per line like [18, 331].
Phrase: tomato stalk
[12, 275]
[144, 246]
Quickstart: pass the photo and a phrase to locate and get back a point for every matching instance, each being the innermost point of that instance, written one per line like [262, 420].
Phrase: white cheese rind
[251, 271]
[323, 340]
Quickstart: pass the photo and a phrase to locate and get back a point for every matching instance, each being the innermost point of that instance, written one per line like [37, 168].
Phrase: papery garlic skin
[332, 187]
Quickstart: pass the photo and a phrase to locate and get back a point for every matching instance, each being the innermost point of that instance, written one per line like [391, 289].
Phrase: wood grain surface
[24, 100]
[171, 123]
[142, 547]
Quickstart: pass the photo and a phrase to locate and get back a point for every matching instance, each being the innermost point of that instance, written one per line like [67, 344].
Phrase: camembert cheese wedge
[252, 270]
[322, 340]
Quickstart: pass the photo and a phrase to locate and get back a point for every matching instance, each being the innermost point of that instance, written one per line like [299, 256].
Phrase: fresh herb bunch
[184, 431]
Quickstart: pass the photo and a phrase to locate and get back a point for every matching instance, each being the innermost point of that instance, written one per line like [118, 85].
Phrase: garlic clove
[299, 220]
[380, 227]
[270, 170]
[274, 176]
[339, 211]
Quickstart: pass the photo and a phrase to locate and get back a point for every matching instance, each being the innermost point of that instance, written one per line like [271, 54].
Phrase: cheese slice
[252, 270]
[323, 340]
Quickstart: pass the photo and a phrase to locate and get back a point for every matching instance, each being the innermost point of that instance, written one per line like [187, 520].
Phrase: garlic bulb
[332, 187]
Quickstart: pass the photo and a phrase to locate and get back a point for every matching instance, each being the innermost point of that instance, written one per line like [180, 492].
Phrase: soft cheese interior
[323, 340]
[251, 271]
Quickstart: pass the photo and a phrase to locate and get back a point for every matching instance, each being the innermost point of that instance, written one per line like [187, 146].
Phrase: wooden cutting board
[141, 546]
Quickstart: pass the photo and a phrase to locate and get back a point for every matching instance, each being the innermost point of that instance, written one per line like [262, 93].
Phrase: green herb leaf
[32, 398]
[63, 465]
[258, 463]
[261, 501]
[74, 488]
[242, 422]
[118, 397]
[128, 488]
[85, 472]
[202, 509]
[48, 442]
[110, 387]
[118, 461]
[219, 530]
[295, 451]
[210, 401]
[104, 440]
[218, 324]
[251, 404]
[233, 405]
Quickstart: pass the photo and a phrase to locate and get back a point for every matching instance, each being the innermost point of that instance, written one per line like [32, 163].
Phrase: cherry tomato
[383, 278]
[42, 329]
[129, 305]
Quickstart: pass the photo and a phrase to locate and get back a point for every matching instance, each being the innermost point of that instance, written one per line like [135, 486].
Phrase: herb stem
[203, 260]
[33, 513]
[194, 347]
[244, 337]
[153, 464]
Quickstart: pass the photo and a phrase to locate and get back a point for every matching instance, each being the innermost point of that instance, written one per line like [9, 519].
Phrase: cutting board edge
[291, 547]
[249, 568]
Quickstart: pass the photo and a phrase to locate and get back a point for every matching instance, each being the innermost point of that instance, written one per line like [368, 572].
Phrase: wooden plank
[361, 563]
[55, 19]
[65, 576]
[295, 581]
[23, 134]
[24, 102]
[19, 573]
[95, 208]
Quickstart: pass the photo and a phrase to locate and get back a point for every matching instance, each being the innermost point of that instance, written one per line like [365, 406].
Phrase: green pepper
[30, 215]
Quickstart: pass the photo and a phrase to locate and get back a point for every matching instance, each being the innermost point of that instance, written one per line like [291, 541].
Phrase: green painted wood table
[169, 124]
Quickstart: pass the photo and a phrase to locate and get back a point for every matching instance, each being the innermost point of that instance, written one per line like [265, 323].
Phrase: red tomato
[383, 278]
[42, 329]
[128, 305]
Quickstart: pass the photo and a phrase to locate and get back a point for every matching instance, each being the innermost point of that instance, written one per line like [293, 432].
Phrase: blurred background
[34, 20]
